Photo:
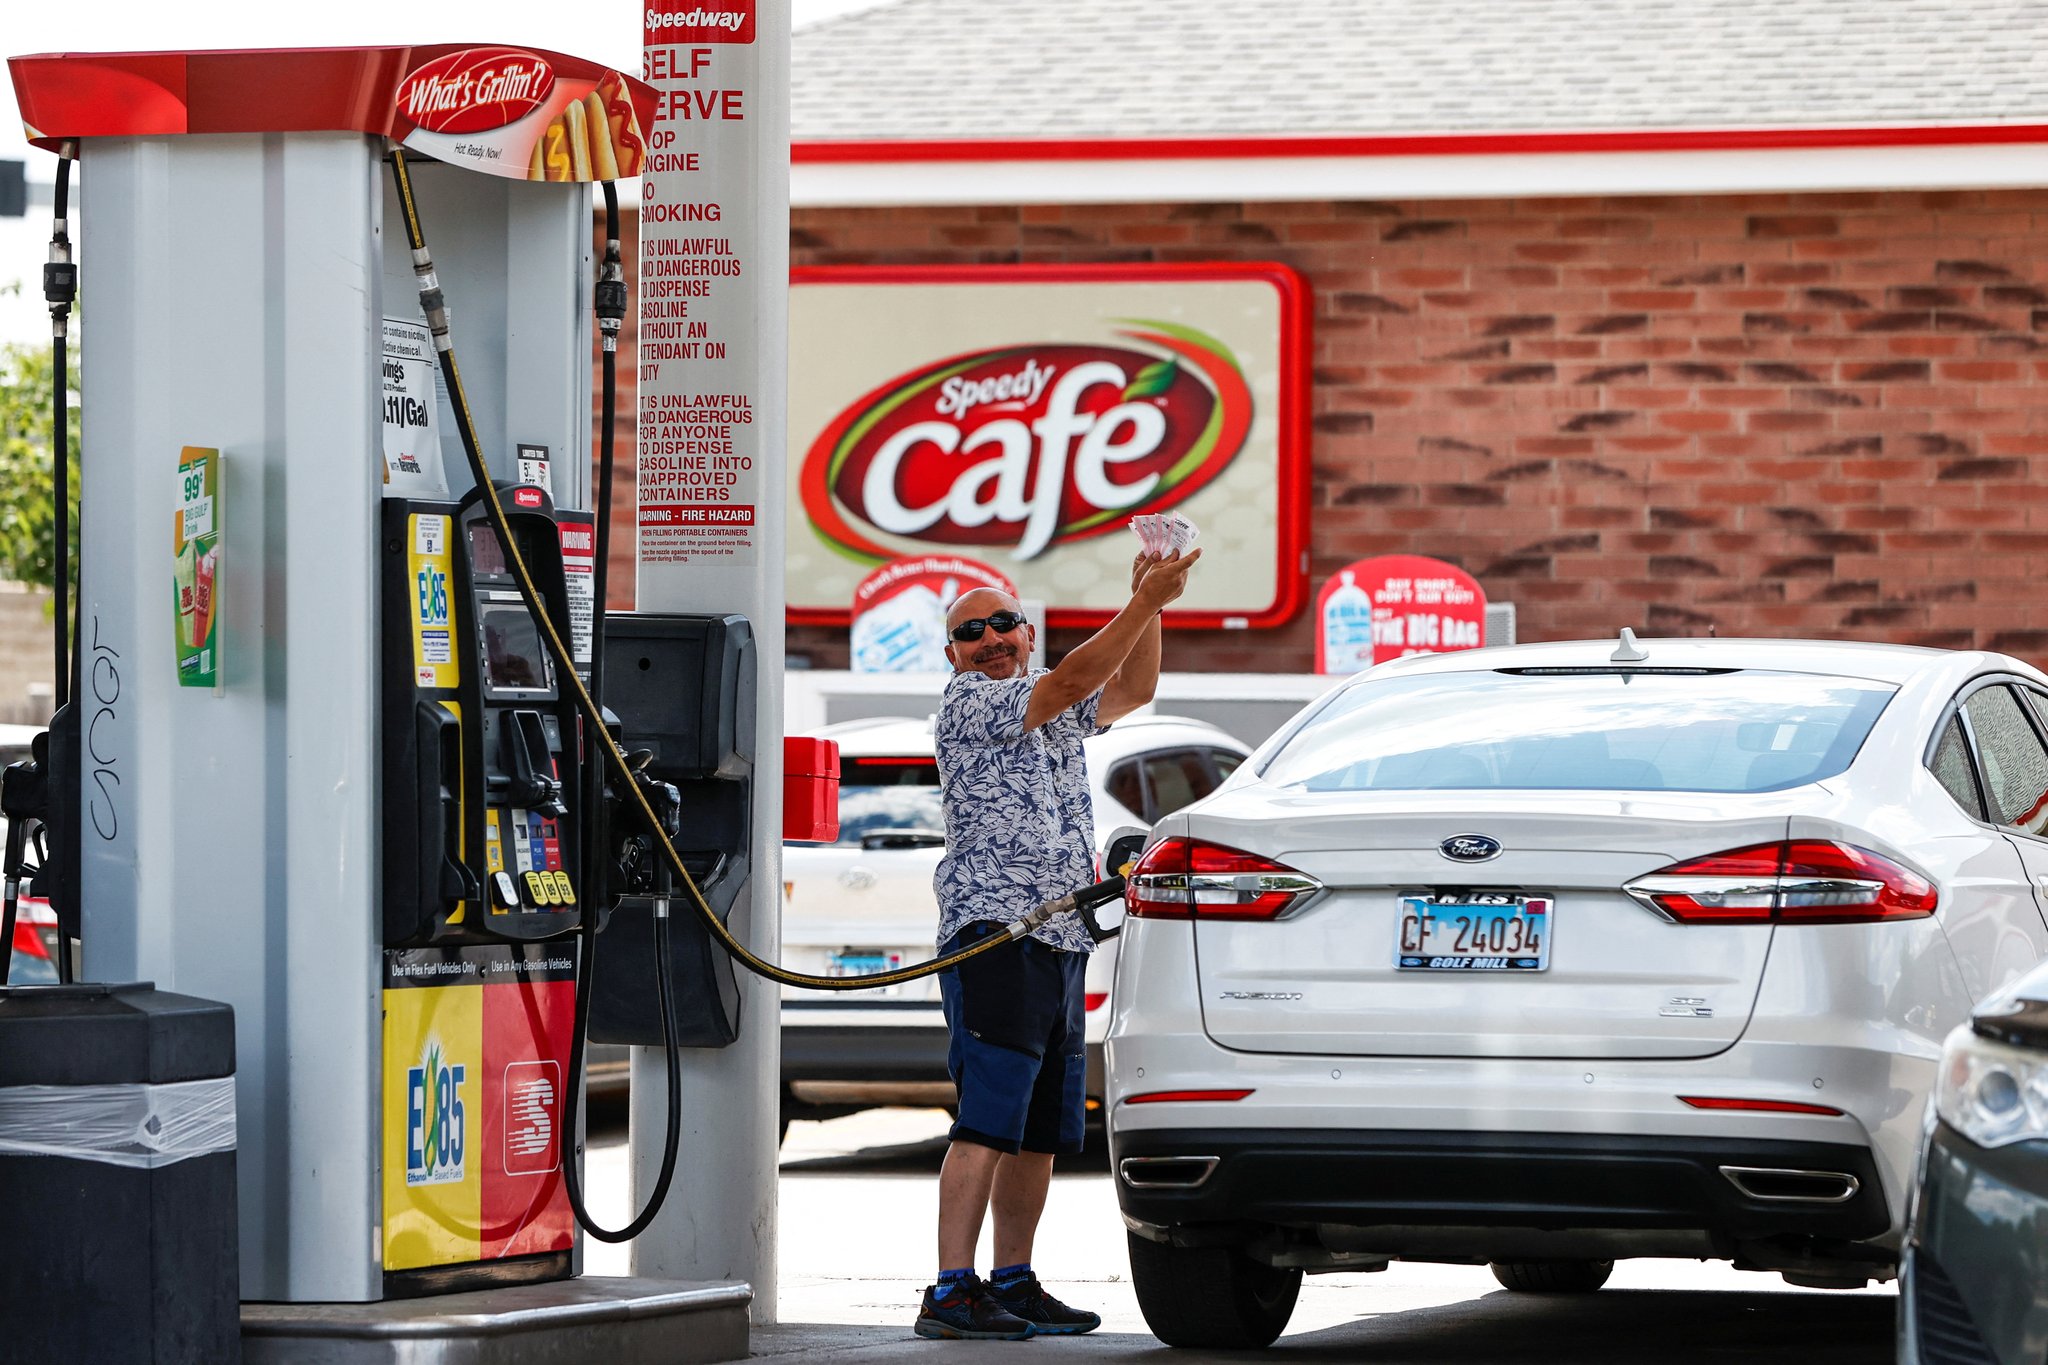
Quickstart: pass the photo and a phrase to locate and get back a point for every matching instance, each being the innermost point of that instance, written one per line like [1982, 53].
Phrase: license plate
[865, 962]
[1476, 931]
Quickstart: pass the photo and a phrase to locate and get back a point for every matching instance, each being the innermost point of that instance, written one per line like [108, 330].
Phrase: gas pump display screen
[513, 661]
[486, 555]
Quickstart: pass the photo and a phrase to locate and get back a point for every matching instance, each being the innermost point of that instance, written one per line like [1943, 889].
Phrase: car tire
[1216, 1298]
[1552, 1277]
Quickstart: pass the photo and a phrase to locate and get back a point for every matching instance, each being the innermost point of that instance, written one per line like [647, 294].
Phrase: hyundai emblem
[1469, 848]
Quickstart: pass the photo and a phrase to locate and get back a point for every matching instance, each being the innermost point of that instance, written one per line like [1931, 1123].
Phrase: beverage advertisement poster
[1391, 606]
[195, 561]
[899, 611]
[1024, 414]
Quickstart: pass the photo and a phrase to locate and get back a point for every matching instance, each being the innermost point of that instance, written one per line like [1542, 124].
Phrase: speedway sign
[1024, 415]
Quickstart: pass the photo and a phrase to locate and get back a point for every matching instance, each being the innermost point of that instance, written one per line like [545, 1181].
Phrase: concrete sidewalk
[859, 1208]
[1613, 1327]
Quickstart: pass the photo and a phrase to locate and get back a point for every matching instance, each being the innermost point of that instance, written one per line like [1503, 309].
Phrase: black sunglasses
[1004, 621]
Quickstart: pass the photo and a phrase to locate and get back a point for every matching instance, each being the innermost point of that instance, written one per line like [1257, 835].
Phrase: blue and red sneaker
[1048, 1317]
[966, 1311]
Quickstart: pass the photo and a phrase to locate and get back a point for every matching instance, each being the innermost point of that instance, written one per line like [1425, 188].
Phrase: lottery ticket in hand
[1160, 536]
[1147, 530]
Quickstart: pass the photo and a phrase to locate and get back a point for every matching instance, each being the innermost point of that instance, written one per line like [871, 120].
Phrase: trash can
[117, 1177]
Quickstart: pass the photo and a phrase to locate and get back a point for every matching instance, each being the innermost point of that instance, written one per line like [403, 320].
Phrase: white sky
[607, 30]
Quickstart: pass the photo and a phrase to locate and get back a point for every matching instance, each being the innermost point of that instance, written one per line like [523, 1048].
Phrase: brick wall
[1811, 415]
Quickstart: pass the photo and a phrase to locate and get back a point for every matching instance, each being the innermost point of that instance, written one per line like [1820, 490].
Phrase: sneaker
[967, 1312]
[1048, 1317]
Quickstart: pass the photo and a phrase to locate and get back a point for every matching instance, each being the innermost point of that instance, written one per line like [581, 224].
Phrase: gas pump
[483, 855]
[372, 826]
[387, 819]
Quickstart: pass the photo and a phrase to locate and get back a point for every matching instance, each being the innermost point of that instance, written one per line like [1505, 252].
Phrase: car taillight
[1189, 879]
[1799, 881]
[1094, 1000]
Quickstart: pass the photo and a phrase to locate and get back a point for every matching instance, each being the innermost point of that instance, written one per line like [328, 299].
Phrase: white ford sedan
[1551, 955]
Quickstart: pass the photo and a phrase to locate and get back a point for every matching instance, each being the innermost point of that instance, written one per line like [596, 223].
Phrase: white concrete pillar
[716, 200]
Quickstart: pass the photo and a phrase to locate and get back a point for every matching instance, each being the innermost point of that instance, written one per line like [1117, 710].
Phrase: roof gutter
[1422, 165]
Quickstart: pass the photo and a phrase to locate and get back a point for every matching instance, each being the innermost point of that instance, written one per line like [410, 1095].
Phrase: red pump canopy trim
[526, 113]
[1507, 141]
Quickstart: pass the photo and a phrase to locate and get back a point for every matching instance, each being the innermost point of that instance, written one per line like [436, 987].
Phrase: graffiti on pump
[1028, 446]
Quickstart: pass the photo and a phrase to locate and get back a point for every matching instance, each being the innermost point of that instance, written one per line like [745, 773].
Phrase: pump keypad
[523, 853]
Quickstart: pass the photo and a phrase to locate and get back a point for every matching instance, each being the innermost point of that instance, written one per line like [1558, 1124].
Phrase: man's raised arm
[1093, 663]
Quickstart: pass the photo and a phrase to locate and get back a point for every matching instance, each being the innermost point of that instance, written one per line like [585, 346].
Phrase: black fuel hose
[434, 305]
[610, 305]
[672, 1140]
[60, 290]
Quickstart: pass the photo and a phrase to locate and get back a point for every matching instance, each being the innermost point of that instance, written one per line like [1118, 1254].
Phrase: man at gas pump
[1020, 832]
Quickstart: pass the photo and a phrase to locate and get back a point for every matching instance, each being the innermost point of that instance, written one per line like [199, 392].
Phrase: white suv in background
[865, 903]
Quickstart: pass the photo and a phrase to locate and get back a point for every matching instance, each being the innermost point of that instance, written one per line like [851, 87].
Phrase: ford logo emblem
[1469, 848]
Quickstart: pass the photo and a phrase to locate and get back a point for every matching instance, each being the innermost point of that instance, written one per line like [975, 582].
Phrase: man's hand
[1123, 657]
[1138, 566]
[1162, 580]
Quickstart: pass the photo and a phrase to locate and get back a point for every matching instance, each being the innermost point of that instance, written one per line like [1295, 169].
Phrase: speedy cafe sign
[1025, 415]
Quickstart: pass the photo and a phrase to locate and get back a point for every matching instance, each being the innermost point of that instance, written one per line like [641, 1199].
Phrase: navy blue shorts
[1018, 1054]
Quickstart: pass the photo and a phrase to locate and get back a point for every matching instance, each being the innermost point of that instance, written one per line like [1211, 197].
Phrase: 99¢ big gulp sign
[1026, 415]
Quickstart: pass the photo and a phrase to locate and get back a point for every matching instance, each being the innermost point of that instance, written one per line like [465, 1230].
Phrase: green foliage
[27, 452]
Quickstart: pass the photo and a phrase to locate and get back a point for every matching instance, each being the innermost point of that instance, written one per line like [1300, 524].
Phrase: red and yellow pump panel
[476, 1047]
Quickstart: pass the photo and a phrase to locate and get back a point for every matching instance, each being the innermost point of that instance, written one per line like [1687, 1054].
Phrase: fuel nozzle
[634, 867]
[531, 779]
[24, 800]
[1084, 903]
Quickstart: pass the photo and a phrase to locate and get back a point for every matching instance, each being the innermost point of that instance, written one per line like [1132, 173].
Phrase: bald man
[1019, 832]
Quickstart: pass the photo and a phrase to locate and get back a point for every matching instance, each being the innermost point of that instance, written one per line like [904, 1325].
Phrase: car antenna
[1628, 651]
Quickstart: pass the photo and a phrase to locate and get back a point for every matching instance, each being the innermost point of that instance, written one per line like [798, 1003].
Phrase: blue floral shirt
[1020, 827]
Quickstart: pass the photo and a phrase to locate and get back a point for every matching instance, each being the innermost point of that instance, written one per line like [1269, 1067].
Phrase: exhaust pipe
[1166, 1172]
[1780, 1186]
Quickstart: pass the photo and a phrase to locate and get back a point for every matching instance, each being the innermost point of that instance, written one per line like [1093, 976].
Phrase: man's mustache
[990, 652]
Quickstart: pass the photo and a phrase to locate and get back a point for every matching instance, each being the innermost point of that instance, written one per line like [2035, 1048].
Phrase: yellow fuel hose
[434, 306]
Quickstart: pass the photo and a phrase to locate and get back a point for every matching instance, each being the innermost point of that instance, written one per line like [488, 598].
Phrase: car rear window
[1595, 730]
[888, 793]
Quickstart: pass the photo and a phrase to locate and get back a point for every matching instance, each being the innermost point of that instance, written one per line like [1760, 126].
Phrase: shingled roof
[973, 69]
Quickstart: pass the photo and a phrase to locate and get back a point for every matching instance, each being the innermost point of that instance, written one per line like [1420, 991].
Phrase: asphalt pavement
[859, 1204]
